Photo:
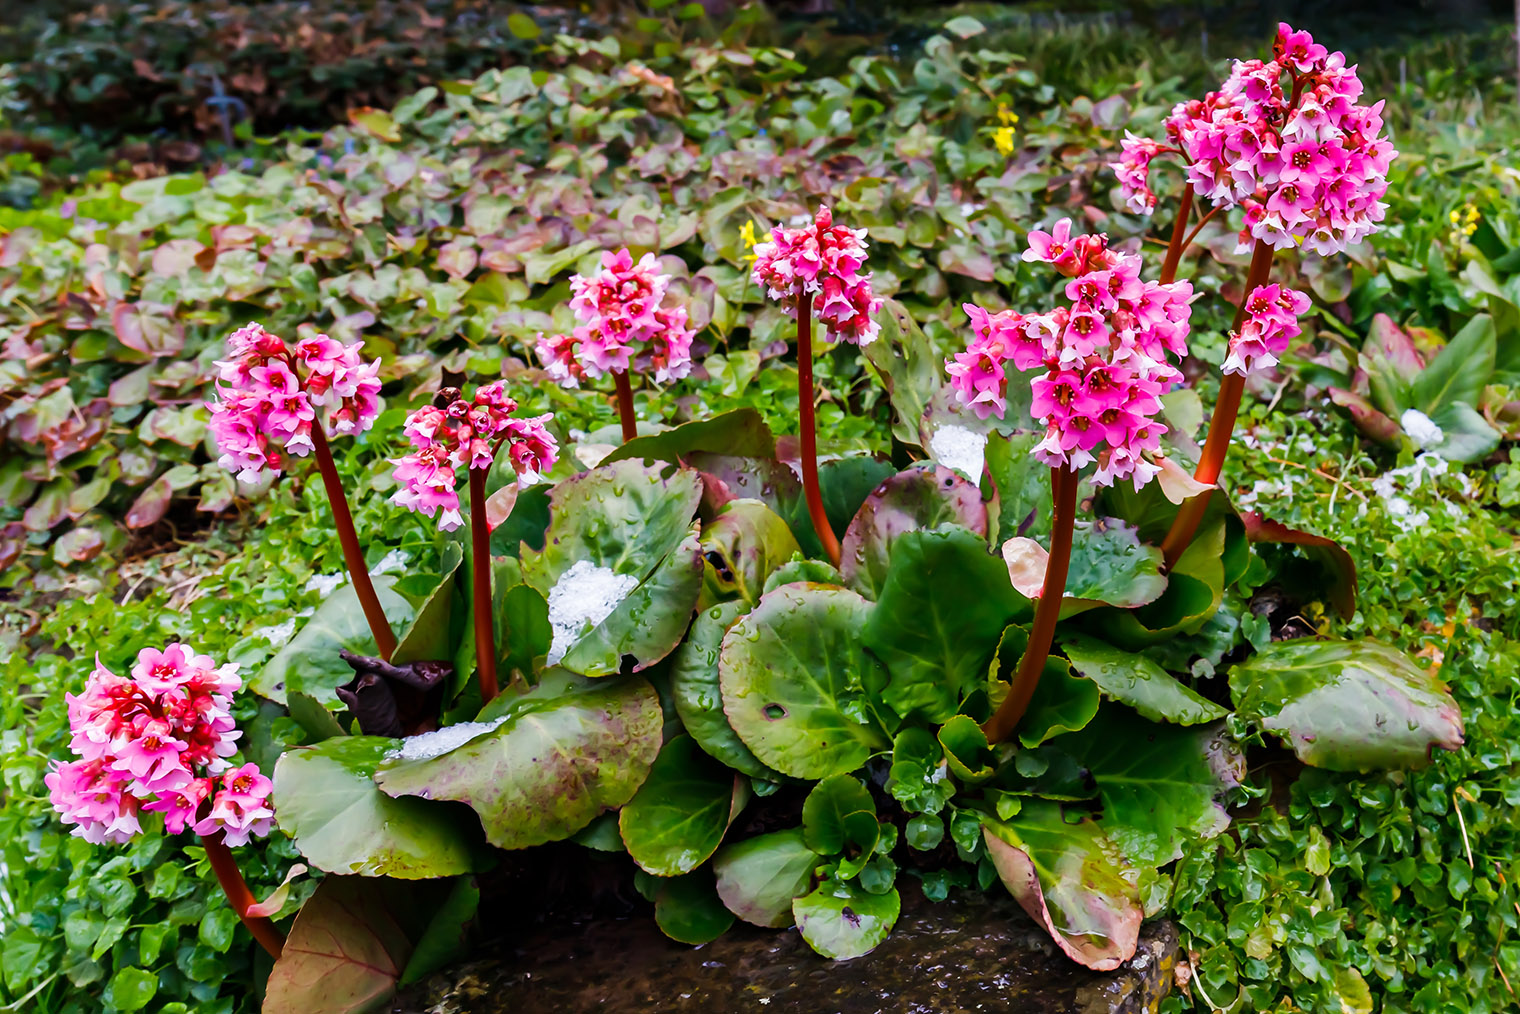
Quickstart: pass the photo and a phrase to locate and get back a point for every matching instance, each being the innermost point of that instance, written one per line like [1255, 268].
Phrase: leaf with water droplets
[1133, 679]
[743, 545]
[679, 815]
[759, 877]
[840, 920]
[917, 499]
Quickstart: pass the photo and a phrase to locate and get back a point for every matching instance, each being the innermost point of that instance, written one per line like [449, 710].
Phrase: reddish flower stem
[625, 405]
[480, 567]
[807, 426]
[1221, 425]
[238, 896]
[1175, 247]
[1000, 726]
[353, 556]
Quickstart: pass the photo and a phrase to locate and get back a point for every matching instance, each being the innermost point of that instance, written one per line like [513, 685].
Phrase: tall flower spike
[1104, 358]
[1271, 323]
[823, 262]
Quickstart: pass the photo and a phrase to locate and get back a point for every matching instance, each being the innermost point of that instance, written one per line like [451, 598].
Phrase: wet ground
[967, 954]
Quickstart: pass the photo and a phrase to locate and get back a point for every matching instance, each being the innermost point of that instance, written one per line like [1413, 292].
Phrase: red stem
[353, 556]
[1221, 425]
[805, 396]
[480, 544]
[238, 896]
[1175, 247]
[1000, 726]
[625, 405]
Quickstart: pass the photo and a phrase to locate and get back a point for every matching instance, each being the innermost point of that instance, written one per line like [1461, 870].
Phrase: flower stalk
[807, 427]
[1175, 247]
[625, 404]
[239, 897]
[480, 567]
[1000, 726]
[348, 538]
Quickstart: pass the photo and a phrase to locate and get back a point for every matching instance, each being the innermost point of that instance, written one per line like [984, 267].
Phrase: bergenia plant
[159, 741]
[625, 325]
[1105, 368]
[1289, 143]
[273, 400]
[457, 433]
[815, 270]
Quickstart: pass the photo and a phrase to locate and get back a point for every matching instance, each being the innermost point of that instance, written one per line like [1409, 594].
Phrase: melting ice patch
[324, 584]
[441, 741]
[959, 448]
[583, 596]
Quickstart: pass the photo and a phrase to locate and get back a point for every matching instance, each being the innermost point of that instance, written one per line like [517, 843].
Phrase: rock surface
[971, 954]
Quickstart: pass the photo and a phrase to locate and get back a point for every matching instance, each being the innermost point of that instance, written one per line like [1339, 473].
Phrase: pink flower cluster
[1272, 313]
[454, 433]
[1308, 164]
[823, 260]
[269, 395]
[620, 308]
[1104, 358]
[158, 741]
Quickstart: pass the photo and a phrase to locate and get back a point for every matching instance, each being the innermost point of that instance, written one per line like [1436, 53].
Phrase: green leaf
[1460, 370]
[131, 989]
[1110, 565]
[1465, 435]
[543, 762]
[1061, 703]
[925, 831]
[794, 677]
[24, 955]
[698, 697]
[1133, 679]
[310, 663]
[1071, 879]
[627, 519]
[759, 877]
[317, 722]
[842, 921]
[1194, 590]
[743, 545]
[919, 776]
[677, 819]
[843, 484]
[938, 619]
[427, 639]
[523, 633]
[740, 432]
[1022, 484]
[825, 809]
[966, 750]
[328, 802]
[688, 910]
[1347, 705]
[964, 26]
[907, 365]
[1160, 785]
[522, 26]
[443, 940]
[1337, 570]
[919, 498]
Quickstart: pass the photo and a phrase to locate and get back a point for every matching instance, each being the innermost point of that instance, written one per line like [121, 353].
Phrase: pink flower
[151, 741]
[240, 809]
[1104, 358]
[624, 324]
[269, 395]
[823, 263]
[458, 435]
[1271, 324]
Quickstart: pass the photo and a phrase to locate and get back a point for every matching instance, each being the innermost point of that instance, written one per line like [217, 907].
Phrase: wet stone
[967, 954]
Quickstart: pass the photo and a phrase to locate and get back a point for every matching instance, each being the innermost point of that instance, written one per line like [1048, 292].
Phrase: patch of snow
[441, 741]
[583, 596]
[324, 584]
[393, 562]
[277, 634]
[1421, 428]
[959, 448]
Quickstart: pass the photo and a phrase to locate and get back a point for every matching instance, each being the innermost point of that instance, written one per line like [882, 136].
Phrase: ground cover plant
[886, 759]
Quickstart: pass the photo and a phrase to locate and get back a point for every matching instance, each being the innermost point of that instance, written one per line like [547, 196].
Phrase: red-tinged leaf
[911, 500]
[1395, 347]
[457, 259]
[500, 503]
[217, 493]
[175, 257]
[146, 332]
[1373, 424]
[270, 906]
[1325, 551]
[966, 261]
[132, 388]
[150, 505]
[78, 544]
[376, 122]
[346, 949]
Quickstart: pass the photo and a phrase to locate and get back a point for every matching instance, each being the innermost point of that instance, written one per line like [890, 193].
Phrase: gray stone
[968, 954]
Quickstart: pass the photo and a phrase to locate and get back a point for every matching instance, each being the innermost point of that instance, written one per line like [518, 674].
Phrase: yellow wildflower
[1007, 117]
[1002, 140]
[747, 233]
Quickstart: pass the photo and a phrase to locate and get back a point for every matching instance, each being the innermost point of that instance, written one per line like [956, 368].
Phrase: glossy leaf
[698, 697]
[1133, 679]
[743, 545]
[842, 920]
[919, 776]
[677, 819]
[1194, 590]
[759, 877]
[443, 939]
[309, 662]
[907, 365]
[825, 809]
[918, 499]
[966, 750]
[688, 910]
[741, 431]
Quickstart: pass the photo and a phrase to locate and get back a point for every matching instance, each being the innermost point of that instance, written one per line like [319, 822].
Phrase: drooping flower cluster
[1272, 313]
[158, 741]
[1104, 358]
[452, 434]
[1307, 163]
[624, 323]
[269, 394]
[824, 261]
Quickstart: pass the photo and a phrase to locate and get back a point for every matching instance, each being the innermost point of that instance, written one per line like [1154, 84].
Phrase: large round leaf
[840, 920]
[1160, 785]
[743, 545]
[826, 808]
[1347, 705]
[741, 431]
[620, 567]
[759, 877]
[540, 764]
[698, 697]
[1133, 679]
[795, 678]
[677, 818]
[1061, 703]
[1071, 879]
[687, 909]
[920, 498]
[327, 801]
[938, 619]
